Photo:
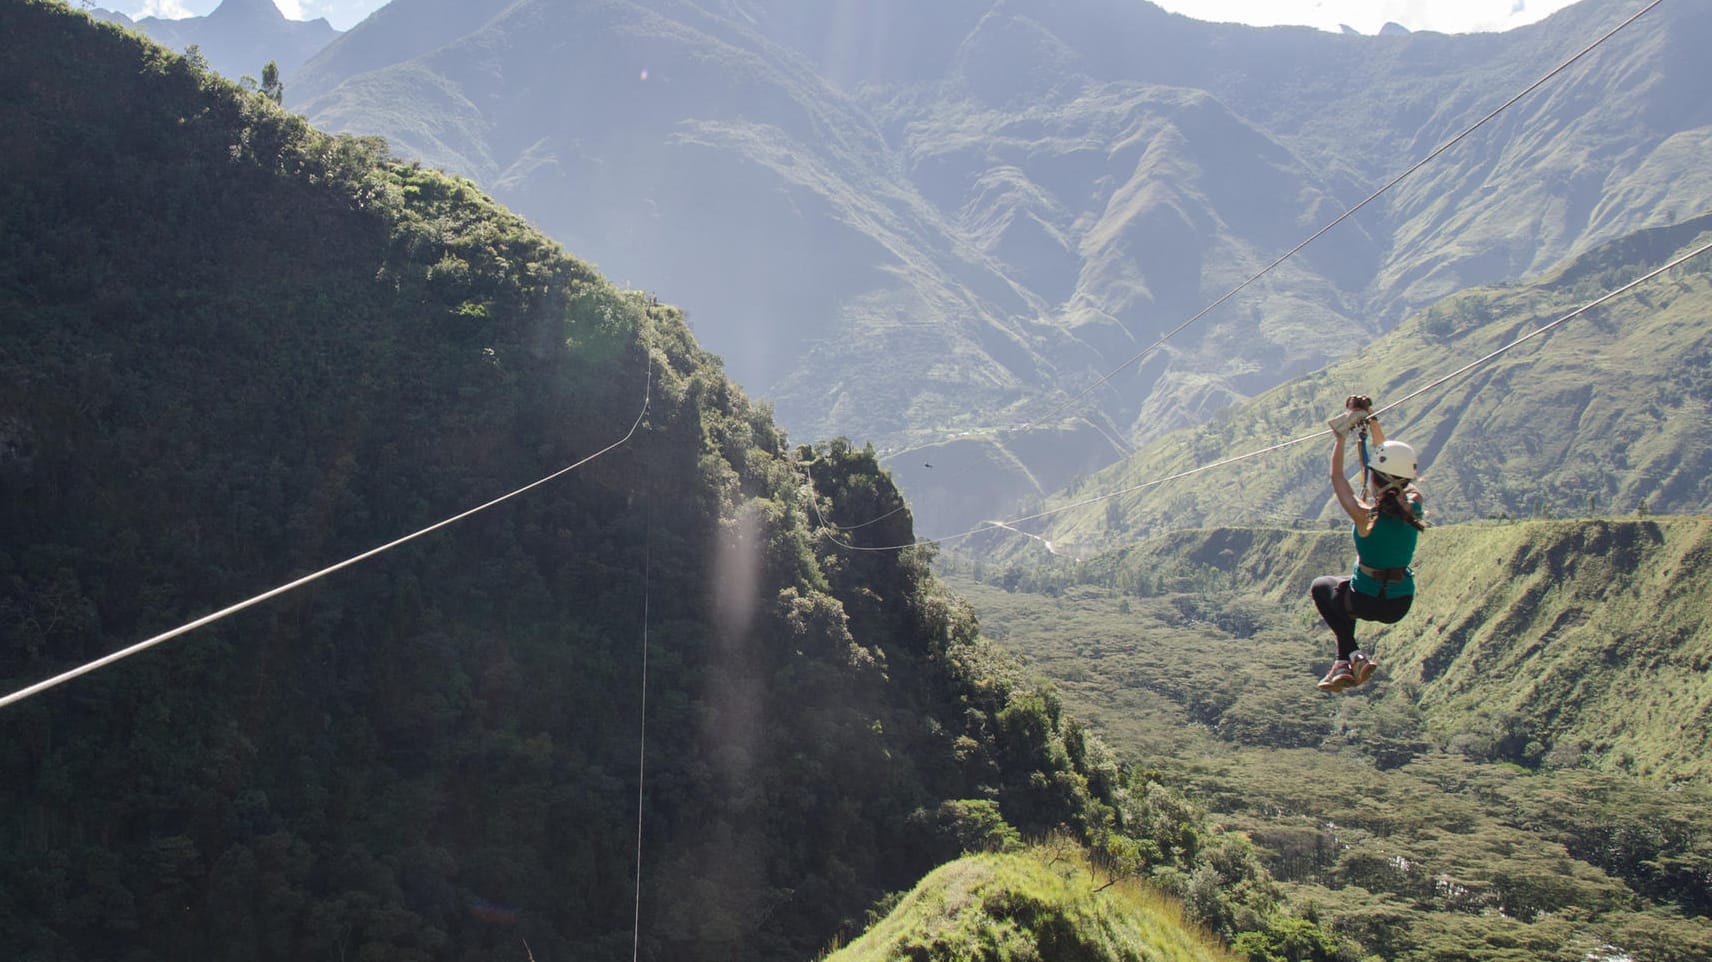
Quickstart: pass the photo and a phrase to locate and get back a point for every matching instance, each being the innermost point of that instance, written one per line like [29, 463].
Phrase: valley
[1455, 807]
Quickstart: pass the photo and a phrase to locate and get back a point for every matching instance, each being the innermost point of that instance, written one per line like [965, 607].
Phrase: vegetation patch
[1046, 904]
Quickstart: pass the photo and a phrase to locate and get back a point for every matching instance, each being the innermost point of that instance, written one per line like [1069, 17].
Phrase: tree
[1286, 939]
[272, 89]
[976, 825]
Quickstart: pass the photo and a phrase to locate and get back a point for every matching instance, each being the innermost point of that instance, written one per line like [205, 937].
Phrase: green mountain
[236, 350]
[1606, 412]
[1524, 778]
[934, 226]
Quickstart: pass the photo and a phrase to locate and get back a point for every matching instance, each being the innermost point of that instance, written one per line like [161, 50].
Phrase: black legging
[1332, 592]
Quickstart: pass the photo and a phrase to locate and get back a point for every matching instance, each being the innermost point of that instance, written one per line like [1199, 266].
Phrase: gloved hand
[1357, 408]
[1347, 419]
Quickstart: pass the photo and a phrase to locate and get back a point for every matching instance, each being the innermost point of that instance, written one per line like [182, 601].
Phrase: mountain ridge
[237, 37]
[843, 215]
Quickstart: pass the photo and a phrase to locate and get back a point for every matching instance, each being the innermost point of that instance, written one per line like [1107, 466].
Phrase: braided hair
[1392, 500]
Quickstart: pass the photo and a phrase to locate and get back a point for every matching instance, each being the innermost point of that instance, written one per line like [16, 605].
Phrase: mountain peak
[247, 10]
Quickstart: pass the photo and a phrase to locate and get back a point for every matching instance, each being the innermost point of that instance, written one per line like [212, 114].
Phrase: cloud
[1449, 16]
[293, 9]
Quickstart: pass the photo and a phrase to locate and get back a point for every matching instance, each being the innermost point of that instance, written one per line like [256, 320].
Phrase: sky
[1367, 16]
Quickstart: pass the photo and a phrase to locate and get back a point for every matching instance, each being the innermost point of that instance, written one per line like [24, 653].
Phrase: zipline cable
[814, 505]
[876, 520]
[1340, 219]
[1459, 372]
[1541, 330]
[123, 653]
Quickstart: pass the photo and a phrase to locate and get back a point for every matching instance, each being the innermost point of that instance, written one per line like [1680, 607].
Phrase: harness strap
[1362, 447]
[1383, 575]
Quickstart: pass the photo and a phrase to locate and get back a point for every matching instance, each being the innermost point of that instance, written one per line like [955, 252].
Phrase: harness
[1385, 576]
[1382, 575]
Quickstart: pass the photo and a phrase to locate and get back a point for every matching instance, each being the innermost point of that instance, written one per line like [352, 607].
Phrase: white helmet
[1393, 458]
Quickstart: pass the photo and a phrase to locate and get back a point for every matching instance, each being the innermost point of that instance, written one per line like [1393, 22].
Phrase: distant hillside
[239, 37]
[1607, 413]
[1042, 904]
[930, 226]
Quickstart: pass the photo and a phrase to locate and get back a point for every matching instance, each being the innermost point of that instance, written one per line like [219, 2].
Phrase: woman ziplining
[1381, 587]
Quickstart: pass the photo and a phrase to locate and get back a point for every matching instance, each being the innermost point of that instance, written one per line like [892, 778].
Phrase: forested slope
[234, 350]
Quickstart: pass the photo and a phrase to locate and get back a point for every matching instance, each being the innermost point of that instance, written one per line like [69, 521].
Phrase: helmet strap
[1366, 470]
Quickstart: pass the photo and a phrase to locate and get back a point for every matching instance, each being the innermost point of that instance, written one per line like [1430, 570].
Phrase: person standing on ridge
[1381, 587]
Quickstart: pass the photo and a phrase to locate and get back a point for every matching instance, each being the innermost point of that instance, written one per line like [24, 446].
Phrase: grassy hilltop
[1046, 903]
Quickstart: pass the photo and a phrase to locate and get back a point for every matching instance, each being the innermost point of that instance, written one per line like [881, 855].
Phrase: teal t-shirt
[1391, 544]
